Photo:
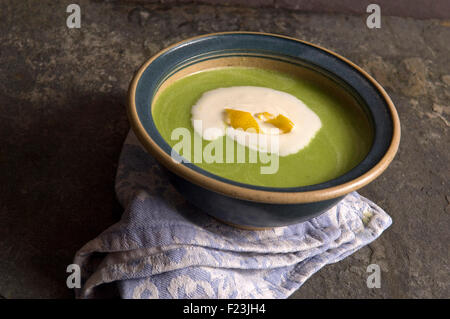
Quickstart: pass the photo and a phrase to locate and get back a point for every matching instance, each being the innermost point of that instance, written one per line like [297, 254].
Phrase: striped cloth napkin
[165, 248]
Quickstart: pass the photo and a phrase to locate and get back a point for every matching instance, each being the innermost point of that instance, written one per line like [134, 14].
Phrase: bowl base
[243, 227]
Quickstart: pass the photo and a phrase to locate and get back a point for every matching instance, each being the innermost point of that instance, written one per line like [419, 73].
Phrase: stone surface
[63, 119]
[422, 9]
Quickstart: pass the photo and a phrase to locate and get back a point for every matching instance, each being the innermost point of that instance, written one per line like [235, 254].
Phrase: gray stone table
[63, 119]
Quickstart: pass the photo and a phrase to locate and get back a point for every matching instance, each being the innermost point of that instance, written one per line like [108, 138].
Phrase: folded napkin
[165, 248]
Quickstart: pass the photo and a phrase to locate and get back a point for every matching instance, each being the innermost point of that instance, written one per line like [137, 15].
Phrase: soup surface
[342, 141]
[255, 117]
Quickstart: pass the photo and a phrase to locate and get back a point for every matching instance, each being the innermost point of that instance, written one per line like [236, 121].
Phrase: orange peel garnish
[242, 120]
[264, 116]
[281, 122]
[245, 120]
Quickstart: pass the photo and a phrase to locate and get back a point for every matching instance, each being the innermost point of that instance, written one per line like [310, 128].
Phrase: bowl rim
[258, 195]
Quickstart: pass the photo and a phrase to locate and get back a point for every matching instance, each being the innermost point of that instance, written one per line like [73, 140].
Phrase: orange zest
[243, 120]
[282, 122]
[264, 116]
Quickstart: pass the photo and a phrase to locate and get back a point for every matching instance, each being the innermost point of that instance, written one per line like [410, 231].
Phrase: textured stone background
[422, 9]
[63, 119]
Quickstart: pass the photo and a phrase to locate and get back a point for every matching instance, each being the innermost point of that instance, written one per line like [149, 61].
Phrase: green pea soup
[341, 144]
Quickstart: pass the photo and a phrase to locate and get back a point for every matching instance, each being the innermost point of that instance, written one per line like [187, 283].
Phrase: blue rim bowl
[250, 206]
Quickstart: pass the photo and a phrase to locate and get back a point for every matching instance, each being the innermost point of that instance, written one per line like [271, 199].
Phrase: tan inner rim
[260, 195]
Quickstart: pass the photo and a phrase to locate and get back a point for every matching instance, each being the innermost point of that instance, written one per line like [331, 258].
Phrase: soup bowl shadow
[250, 206]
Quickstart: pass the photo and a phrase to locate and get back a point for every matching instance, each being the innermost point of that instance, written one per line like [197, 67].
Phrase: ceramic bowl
[250, 206]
